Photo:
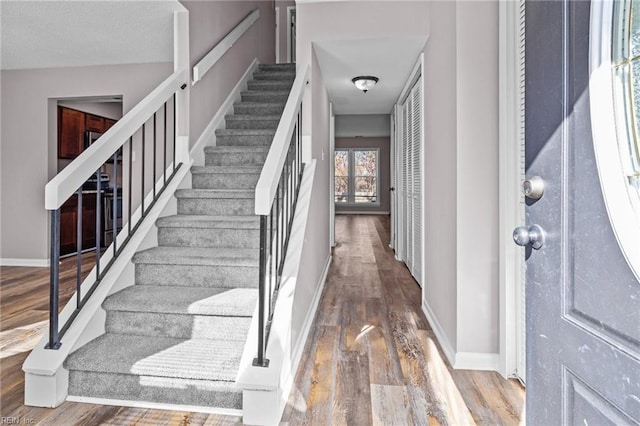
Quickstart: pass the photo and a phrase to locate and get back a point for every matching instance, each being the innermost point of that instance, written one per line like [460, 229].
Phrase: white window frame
[351, 178]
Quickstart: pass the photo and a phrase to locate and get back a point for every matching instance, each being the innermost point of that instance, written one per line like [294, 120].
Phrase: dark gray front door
[583, 298]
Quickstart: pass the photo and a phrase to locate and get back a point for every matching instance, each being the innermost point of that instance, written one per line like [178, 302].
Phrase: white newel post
[181, 60]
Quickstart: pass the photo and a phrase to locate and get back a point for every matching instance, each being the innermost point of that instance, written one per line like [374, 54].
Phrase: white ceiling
[50, 34]
[391, 60]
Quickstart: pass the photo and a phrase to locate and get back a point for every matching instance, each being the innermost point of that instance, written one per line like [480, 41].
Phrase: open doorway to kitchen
[89, 218]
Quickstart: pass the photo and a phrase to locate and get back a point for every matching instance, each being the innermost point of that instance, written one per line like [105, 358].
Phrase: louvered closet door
[407, 178]
[405, 189]
[409, 171]
[416, 172]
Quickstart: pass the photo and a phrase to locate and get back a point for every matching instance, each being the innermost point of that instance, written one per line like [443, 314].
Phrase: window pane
[635, 28]
[342, 163]
[342, 189]
[366, 190]
[366, 163]
[634, 148]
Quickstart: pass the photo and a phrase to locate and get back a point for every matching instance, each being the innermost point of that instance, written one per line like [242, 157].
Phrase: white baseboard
[460, 360]
[477, 361]
[156, 405]
[33, 263]
[441, 336]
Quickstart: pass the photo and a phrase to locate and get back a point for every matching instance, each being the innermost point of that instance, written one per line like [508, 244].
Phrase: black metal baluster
[164, 146]
[98, 222]
[282, 229]
[114, 205]
[260, 360]
[130, 182]
[79, 250]
[175, 132]
[270, 253]
[142, 189]
[54, 281]
[154, 155]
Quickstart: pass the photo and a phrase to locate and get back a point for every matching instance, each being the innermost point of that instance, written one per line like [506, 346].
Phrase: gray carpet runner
[177, 335]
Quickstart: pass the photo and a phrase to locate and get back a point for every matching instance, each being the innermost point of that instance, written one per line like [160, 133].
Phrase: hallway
[372, 358]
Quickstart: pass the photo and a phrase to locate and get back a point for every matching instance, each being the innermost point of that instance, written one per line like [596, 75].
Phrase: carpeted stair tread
[196, 359]
[245, 132]
[216, 193]
[274, 75]
[226, 170]
[234, 149]
[275, 93]
[283, 66]
[209, 222]
[205, 256]
[213, 301]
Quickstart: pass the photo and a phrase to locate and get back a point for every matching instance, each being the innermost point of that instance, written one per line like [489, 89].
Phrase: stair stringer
[46, 379]
[265, 390]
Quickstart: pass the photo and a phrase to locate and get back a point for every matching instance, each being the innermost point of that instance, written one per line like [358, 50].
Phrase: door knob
[533, 236]
[533, 188]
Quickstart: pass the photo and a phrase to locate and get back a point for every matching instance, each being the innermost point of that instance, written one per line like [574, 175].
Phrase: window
[626, 71]
[614, 93]
[356, 176]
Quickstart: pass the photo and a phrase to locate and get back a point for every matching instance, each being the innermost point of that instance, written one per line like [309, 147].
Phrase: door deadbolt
[533, 188]
[533, 236]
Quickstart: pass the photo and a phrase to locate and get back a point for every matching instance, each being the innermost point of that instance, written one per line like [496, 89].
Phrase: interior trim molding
[441, 336]
[32, 263]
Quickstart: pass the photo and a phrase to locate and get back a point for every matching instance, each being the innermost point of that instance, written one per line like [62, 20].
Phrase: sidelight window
[356, 176]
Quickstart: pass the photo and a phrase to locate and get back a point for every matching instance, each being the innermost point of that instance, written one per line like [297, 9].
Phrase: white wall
[477, 176]
[461, 171]
[315, 252]
[29, 156]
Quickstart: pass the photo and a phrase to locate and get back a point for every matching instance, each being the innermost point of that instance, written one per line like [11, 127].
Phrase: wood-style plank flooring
[371, 357]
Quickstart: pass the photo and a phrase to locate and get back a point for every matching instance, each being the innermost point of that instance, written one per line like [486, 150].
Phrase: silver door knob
[533, 188]
[533, 236]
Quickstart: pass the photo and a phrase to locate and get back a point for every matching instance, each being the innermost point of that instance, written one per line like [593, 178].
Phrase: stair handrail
[276, 195]
[72, 179]
[214, 55]
[67, 182]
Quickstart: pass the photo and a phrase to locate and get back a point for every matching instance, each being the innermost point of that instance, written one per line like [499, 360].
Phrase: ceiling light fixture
[364, 82]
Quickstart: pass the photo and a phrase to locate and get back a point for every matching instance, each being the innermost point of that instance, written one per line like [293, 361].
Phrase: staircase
[177, 335]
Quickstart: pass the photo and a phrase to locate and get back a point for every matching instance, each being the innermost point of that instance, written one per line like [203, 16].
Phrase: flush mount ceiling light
[364, 82]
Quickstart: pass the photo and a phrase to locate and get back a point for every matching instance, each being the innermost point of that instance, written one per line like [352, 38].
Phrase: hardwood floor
[371, 357]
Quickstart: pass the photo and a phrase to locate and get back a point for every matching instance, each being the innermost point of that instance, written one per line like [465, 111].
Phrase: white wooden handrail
[67, 182]
[272, 169]
[210, 59]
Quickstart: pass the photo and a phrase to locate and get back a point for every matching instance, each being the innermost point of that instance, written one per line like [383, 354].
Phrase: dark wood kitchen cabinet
[69, 223]
[71, 128]
[93, 123]
[108, 123]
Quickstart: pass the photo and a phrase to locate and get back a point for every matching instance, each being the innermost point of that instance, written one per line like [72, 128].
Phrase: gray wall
[29, 154]
[382, 144]
[371, 125]
[209, 22]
